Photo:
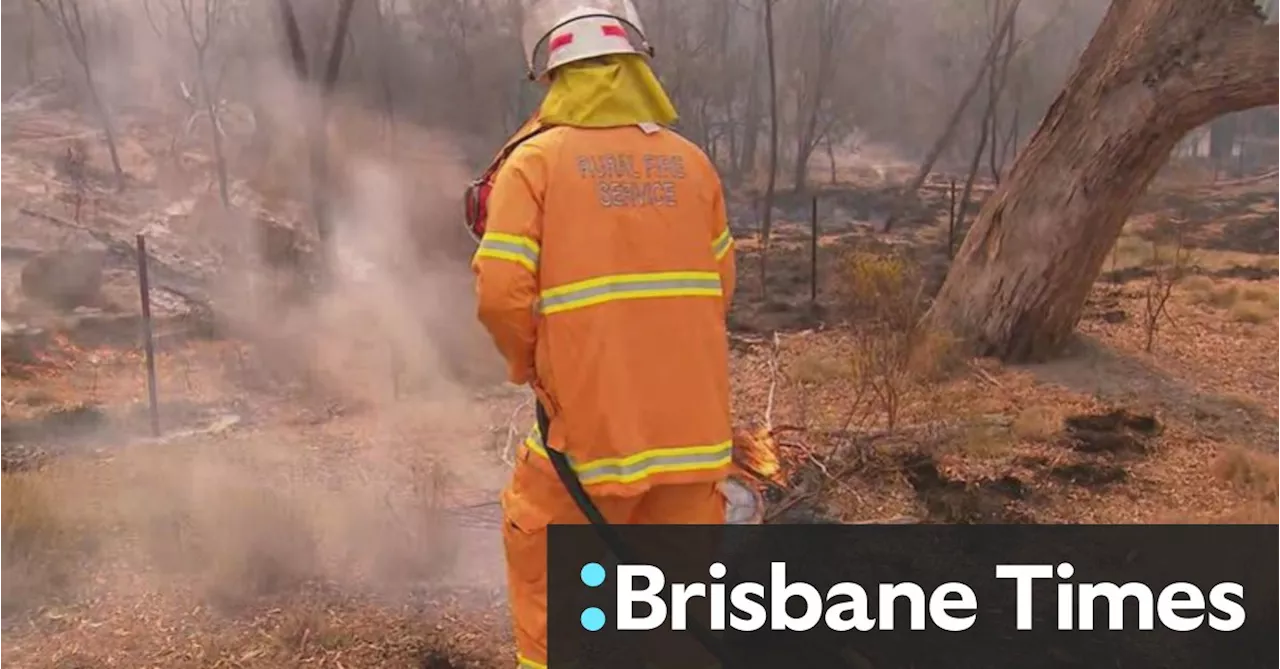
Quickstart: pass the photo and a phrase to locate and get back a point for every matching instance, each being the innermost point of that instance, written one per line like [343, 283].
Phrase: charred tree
[202, 23]
[1154, 70]
[66, 15]
[1222, 143]
[318, 137]
[827, 21]
[751, 116]
[766, 224]
[949, 130]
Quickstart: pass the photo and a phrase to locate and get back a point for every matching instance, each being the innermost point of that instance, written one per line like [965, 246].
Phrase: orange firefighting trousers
[535, 498]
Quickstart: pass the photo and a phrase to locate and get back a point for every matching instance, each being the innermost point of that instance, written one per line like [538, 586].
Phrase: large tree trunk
[1154, 70]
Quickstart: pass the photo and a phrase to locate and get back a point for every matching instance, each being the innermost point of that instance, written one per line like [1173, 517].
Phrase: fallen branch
[162, 275]
[892, 520]
[773, 383]
[985, 375]
[786, 504]
[747, 340]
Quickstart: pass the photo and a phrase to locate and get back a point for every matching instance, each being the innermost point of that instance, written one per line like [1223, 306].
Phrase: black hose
[606, 532]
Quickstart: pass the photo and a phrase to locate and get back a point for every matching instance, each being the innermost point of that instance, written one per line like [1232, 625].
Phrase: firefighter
[604, 276]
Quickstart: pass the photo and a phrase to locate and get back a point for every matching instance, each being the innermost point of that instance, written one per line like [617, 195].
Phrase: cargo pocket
[525, 519]
[524, 536]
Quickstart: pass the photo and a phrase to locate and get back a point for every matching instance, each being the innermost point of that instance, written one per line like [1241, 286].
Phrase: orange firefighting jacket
[604, 278]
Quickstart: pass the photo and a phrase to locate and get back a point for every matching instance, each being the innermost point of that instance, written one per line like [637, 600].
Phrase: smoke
[389, 340]
[392, 333]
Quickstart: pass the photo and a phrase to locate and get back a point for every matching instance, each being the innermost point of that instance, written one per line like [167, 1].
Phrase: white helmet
[563, 31]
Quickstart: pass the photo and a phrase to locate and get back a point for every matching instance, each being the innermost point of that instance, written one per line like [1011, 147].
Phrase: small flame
[756, 453]
[61, 353]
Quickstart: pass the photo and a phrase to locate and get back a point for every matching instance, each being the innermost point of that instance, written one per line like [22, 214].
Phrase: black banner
[918, 596]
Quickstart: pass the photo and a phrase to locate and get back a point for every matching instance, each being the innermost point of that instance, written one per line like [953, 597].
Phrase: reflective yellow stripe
[520, 250]
[722, 244]
[643, 464]
[525, 663]
[629, 287]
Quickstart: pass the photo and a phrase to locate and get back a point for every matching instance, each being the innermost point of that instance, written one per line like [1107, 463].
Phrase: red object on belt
[477, 209]
[476, 197]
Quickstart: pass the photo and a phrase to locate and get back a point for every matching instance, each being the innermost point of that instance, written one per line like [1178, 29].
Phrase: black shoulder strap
[506, 151]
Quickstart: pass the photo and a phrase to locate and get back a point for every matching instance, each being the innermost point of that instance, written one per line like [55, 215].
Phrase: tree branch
[1238, 69]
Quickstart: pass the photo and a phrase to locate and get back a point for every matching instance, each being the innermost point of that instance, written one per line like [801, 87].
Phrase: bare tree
[1167, 270]
[996, 68]
[956, 115]
[997, 77]
[766, 225]
[318, 136]
[29, 43]
[68, 16]
[384, 66]
[751, 113]
[201, 19]
[821, 27]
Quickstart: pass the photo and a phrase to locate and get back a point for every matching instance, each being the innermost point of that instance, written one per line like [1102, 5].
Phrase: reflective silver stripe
[630, 286]
[722, 243]
[643, 464]
[521, 250]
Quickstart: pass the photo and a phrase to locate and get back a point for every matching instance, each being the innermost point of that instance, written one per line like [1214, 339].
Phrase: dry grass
[1129, 251]
[1037, 424]
[983, 441]
[1258, 513]
[234, 520]
[1199, 287]
[1252, 312]
[1251, 472]
[815, 367]
[1260, 294]
[43, 545]
[1245, 303]
[1269, 263]
[1132, 250]
[1221, 296]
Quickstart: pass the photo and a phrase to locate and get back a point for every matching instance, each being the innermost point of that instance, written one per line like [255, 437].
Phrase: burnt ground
[1109, 432]
[313, 501]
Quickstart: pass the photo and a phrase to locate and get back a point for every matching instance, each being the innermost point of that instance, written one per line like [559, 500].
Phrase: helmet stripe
[564, 39]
